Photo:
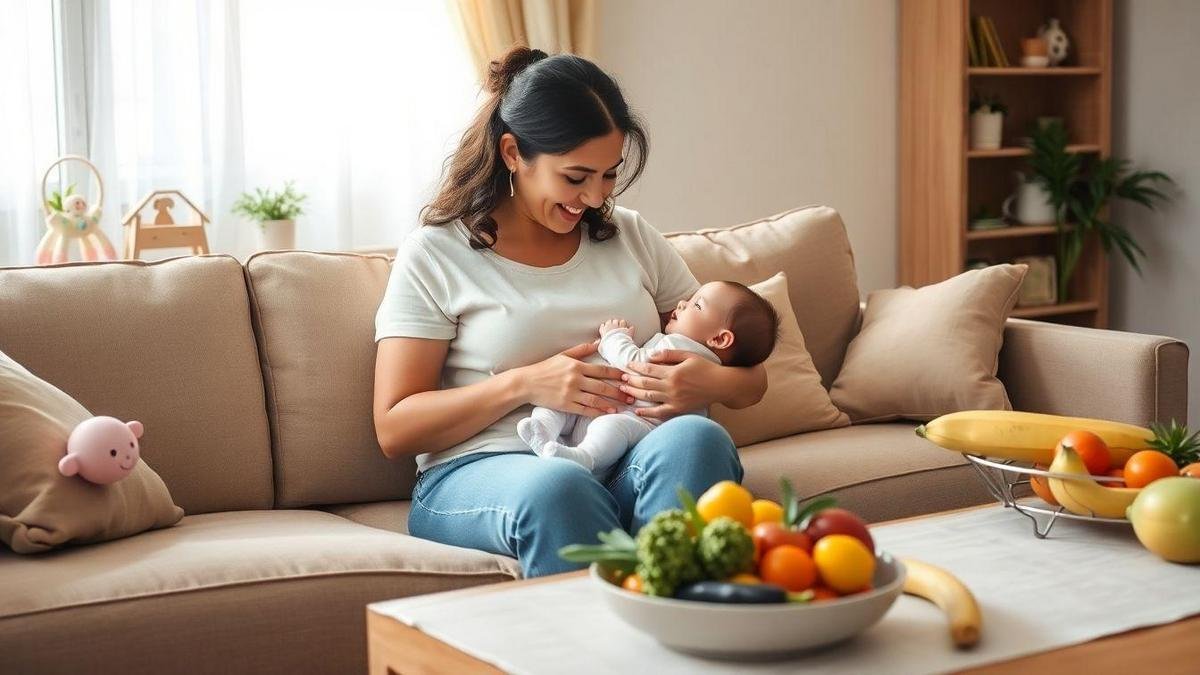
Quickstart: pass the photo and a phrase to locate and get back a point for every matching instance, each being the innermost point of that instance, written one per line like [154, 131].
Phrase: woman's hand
[678, 381]
[565, 383]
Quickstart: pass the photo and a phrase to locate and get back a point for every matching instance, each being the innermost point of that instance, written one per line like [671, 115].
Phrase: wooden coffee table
[398, 649]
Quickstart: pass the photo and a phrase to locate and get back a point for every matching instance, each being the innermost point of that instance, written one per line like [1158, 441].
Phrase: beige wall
[757, 106]
[1156, 123]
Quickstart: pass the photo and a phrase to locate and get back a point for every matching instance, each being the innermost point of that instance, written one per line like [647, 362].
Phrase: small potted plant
[987, 122]
[275, 213]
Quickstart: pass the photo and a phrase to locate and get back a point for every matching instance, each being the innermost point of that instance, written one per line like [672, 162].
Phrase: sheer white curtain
[357, 101]
[28, 123]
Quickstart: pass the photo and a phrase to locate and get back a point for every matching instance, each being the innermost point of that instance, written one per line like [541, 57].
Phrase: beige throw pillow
[795, 400]
[929, 351]
[39, 507]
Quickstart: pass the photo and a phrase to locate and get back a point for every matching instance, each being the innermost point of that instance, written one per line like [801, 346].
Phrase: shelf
[1078, 148]
[1054, 310]
[1020, 71]
[1012, 231]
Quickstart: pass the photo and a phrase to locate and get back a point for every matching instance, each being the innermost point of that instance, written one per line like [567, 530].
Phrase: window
[358, 102]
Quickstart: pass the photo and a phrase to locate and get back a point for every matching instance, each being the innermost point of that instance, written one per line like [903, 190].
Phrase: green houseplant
[275, 213]
[1081, 191]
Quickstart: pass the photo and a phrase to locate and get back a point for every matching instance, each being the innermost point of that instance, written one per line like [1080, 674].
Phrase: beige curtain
[491, 27]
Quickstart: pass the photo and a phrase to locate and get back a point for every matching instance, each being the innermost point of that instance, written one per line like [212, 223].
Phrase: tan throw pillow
[795, 400]
[39, 507]
[929, 351]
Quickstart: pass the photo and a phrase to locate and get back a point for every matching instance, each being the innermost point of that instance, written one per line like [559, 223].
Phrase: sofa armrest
[1087, 372]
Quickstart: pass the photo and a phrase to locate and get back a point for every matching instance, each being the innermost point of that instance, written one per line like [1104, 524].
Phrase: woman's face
[553, 190]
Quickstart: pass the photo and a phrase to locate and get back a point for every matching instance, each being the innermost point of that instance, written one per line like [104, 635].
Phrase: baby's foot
[556, 449]
[534, 433]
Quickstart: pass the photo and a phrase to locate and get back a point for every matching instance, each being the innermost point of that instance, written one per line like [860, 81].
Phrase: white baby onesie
[597, 443]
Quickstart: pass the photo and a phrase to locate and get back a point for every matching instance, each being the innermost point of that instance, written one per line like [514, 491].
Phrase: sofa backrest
[168, 343]
[314, 314]
[809, 244]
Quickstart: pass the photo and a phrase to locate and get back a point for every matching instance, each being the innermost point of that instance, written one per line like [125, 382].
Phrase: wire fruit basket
[1004, 477]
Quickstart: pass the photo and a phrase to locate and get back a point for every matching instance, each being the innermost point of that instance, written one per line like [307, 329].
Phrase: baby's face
[705, 314]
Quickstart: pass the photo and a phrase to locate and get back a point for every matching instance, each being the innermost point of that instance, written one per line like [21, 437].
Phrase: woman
[522, 254]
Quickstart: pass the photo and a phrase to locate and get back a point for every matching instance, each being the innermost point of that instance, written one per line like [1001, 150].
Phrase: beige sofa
[254, 383]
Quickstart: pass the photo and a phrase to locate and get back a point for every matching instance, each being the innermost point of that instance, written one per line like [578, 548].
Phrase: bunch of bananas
[1032, 437]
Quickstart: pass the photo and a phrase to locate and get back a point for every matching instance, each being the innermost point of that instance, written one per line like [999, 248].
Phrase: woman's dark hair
[552, 105]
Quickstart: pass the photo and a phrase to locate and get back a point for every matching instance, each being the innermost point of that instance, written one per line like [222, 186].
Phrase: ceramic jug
[1033, 205]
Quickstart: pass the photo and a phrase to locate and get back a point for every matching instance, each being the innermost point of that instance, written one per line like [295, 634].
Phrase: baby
[724, 322]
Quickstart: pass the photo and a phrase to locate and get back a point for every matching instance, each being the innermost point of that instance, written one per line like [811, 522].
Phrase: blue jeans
[523, 506]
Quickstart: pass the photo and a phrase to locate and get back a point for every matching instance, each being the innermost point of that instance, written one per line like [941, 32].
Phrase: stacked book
[983, 44]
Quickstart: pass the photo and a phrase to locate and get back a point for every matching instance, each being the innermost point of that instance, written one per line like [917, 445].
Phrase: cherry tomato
[727, 498]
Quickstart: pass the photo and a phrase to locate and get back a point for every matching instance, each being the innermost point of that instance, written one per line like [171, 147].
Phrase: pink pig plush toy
[102, 450]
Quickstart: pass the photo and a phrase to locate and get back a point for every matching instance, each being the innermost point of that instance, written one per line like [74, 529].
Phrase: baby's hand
[615, 324]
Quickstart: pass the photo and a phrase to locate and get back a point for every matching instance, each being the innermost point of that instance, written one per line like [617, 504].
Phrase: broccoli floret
[725, 548]
[666, 553]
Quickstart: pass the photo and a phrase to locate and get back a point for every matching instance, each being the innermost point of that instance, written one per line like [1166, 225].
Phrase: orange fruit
[1147, 466]
[1091, 449]
[788, 567]
[1115, 473]
[1191, 470]
[1041, 488]
[727, 498]
[633, 582]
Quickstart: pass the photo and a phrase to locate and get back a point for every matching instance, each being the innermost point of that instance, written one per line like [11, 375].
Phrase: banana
[1084, 496]
[950, 595]
[1027, 437]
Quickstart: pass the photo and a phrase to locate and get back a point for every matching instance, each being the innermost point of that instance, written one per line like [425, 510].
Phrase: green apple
[1166, 518]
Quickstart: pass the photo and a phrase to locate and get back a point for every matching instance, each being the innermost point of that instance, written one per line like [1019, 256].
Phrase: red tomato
[770, 534]
[839, 521]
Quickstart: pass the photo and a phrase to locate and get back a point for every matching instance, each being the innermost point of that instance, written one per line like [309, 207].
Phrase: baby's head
[730, 319]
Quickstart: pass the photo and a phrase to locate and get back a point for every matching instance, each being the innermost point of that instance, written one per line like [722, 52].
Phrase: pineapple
[1175, 442]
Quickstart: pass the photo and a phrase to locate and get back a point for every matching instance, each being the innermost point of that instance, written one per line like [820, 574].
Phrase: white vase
[276, 235]
[1058, 45]
[986, 130]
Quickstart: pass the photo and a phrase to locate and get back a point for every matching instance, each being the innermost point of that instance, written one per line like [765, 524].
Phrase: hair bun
[502, 71]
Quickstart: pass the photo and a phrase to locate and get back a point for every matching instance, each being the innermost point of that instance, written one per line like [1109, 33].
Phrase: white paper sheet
[1085, 581]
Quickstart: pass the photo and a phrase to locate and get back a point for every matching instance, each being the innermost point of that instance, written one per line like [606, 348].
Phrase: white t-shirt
[500, 314]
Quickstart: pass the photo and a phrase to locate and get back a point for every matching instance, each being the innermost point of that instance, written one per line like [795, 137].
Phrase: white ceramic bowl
[744, 631]
[1035, 61]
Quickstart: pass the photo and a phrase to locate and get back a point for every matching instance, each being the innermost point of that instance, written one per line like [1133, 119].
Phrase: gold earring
[511, 191]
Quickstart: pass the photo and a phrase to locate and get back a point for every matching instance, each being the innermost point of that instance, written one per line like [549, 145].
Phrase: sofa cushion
[809, 244]
[880, 471]
[314, 316]
[168, 343]
[270, 591]
[795, 400]
[39, 507]
[925, 352]
[390, 516]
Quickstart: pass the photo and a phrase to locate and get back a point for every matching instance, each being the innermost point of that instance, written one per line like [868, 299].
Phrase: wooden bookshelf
[943, 181]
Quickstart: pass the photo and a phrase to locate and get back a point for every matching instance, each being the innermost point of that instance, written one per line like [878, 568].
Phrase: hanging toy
[69, 218]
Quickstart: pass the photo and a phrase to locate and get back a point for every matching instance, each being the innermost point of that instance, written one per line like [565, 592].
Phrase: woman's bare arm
[680, 381]
[412, 415]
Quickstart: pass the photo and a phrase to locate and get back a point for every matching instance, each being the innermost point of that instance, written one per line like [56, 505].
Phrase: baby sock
[542, 426]
[556, 449]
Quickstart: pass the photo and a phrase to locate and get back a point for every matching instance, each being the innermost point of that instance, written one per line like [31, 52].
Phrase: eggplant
[731, 593]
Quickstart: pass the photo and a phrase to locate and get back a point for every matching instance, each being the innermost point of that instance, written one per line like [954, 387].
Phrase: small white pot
[986, 129]
[276, 235]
